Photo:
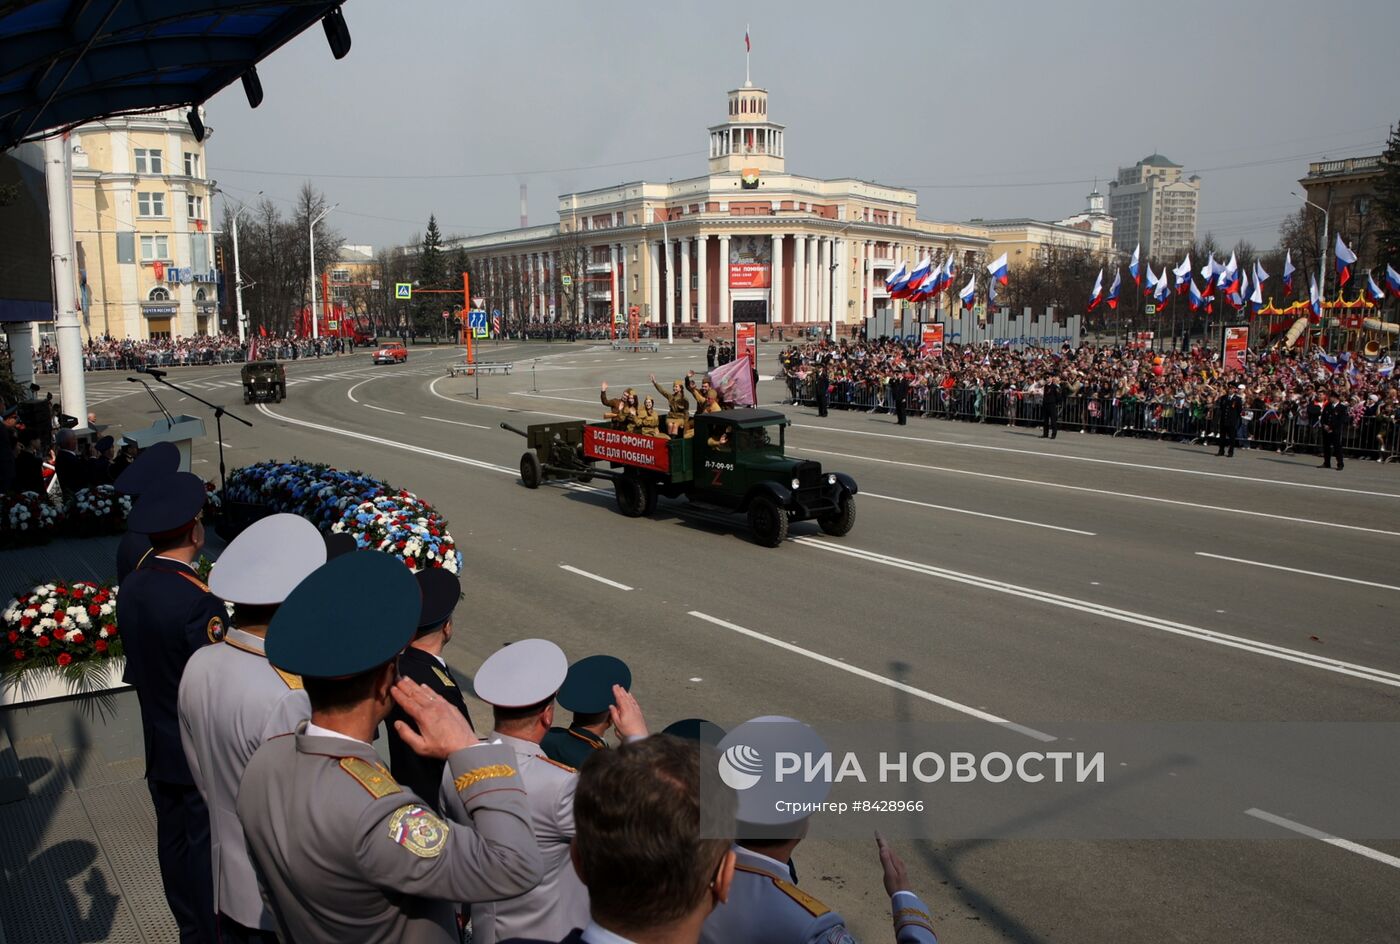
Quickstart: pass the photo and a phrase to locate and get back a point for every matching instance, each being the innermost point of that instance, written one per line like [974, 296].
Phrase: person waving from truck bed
[622, 411]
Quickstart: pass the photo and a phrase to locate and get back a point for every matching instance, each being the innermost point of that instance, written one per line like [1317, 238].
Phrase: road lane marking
[1100, 491]
[1366, 673]
[1374, 855]
[437, 419]
[979, 514]
[432, 388]
[873, 677]
[1295, 570]
[1119, 462]
[477, 463]
[382, 409]
[583, 573]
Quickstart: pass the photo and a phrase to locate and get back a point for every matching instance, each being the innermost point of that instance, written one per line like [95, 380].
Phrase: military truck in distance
[734, 462]
[264, 381]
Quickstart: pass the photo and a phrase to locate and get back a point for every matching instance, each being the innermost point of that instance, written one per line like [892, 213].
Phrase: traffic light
[219, 258]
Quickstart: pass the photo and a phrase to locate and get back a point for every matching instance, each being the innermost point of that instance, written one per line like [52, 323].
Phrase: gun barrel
[513, 429]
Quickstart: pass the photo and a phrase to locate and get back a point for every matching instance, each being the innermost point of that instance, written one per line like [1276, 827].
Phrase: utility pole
[311, 240]
[58, 177]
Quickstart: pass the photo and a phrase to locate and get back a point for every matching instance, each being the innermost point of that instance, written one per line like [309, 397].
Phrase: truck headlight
[796, 483]
[831, 480]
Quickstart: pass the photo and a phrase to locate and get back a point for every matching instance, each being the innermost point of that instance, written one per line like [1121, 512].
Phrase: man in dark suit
[1335, 419]
[166, 613]
[820, 382]
[1229, 408]
[71, 468]
[1050, 408]
[100, 465]
[29, 465]
[899, 392]
[422, 661]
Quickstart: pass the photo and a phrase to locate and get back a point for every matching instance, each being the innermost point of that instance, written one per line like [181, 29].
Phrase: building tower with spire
[747, 140]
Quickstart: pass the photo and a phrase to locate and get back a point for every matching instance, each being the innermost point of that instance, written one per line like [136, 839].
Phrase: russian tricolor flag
[1314, 298]
[1288, 271]
[997, 270]
[1373, 291]
[969, 292]
[1096, 295]
[1183, 275]
[1345, 260]
[1392, 281]
[1256, 298]
[1162, 294]
[1151, 289]
[1196, 298]
[1133, 266]
[896, 280]
[1114, 288]
[919, 276]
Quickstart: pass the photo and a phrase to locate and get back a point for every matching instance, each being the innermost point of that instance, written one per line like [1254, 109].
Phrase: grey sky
[978, 111]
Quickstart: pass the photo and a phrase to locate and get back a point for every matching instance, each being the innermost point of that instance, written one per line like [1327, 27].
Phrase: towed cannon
[554, 451]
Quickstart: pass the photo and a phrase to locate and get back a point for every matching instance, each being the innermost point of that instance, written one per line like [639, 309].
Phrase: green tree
[432, 274]
[1387, 205]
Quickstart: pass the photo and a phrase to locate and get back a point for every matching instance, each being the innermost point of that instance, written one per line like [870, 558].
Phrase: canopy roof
[66, 62]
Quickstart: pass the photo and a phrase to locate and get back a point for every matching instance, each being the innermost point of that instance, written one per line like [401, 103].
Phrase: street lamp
[311, 240]
[238, 275]
[1322, 247]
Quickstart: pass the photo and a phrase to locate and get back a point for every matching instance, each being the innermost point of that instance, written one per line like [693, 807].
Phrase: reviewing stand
[219, 413]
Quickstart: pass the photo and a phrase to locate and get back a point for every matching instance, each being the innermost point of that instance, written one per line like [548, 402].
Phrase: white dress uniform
[526, 673]
[232, 700]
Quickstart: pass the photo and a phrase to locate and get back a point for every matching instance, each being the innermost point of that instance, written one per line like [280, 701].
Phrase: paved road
[1087, 579]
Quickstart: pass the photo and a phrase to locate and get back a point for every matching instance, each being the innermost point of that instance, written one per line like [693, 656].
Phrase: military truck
[264, 380]
[734, 462]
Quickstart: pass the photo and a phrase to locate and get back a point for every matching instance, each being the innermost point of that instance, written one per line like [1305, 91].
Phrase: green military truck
[264, 381]
[734, 462]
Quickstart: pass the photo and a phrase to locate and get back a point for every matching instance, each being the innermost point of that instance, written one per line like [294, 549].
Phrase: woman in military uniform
[647, 420]
[621, 410]
[678, 406]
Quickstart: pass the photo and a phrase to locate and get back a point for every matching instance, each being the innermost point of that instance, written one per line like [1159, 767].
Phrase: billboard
[746, 342]
[750, 262]
[932, 345]
[1236, 343]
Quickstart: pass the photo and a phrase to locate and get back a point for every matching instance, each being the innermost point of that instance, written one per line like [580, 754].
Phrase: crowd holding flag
[1114, 289]
[1096, 295]
[1133, 266]
[1345, 260]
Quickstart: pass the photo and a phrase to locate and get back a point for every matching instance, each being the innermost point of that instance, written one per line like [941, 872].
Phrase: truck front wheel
[768, 521]
[840, 522]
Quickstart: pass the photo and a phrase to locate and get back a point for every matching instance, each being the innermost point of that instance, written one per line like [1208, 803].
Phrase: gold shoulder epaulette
[293, 681]
[550, 760]
[444, 678]
[813, 907]
[373, 777]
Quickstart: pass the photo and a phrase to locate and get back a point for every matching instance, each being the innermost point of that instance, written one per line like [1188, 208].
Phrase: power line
[504, 173]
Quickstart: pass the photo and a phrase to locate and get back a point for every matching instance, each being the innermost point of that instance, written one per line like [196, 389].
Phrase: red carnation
[14, 636]
[112, 631]
[60, 591]
[76, 638]
[100, 645]
[64, 658]
[59, 634]
[44, 642]
[18, 655]
[94, 610]
[25, 622]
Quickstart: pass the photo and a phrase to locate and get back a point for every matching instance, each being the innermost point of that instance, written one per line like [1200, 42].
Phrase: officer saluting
[422, 661]
[343, 852]
[232, 700]
[588, 693]
[154, 463]
[166, 614]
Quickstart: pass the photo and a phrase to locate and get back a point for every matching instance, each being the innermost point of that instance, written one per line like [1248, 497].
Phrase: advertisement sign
[615, 445]
[1236, 343]
[746, 342]
[750, 262]
[932, 345]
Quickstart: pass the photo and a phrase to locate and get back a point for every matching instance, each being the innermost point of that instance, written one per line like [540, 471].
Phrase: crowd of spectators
[1110, 389]
[107, 353]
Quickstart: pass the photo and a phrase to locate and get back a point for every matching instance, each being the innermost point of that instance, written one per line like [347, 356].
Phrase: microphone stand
[169, 420]
[219, 414]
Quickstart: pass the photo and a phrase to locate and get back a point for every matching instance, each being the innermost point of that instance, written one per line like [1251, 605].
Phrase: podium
[180, 429]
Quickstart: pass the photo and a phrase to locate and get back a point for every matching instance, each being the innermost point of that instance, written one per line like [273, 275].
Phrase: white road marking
[583, 573]
[477, 463]
[1295, 570]
[1366, 673]
[873, 677]
[437, 419]
[432, 388]
[1373, 854]
[545, 396]
[382, 409]
[979, 514]
[1100, 491]
[351, 392]
[1118, 462]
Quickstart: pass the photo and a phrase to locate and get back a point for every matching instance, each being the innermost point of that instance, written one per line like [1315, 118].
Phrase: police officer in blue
[152, 464]
[422, 661]
[588, 693]
[166, 613]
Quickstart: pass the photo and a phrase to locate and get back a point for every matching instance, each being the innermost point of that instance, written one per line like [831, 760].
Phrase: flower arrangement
[98, 510]
[68, 628]
[26, 518]
[379, 516]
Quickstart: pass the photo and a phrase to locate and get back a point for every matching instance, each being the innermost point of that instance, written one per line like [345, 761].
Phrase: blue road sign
[476, 319]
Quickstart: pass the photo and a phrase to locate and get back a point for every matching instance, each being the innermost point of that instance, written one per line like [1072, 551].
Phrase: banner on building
[1236, 343]
[750, 262]
[932, 345]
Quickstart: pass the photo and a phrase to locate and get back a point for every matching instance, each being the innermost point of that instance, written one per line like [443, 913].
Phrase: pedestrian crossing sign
[403, 291]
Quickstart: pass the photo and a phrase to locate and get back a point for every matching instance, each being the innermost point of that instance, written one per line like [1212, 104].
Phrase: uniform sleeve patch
[837, 935]
[491, 772]
[419, 831]
[444, 678]
[374, 778]
[215, 630]
[551, 760]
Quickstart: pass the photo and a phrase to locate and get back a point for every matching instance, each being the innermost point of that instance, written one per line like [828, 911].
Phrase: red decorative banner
[634, 449]
[932, 340]
[1236, 343]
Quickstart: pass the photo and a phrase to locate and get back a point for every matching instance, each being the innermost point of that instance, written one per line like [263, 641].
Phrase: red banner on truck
[634, 449]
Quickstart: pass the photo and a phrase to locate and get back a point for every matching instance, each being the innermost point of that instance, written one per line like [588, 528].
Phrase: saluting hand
[442, 729]
[626, 714]
[896, 875]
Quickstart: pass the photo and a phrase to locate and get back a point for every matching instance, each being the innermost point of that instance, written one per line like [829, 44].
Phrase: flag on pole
[1373, 291]
[919, 276]
[1392, 281]
[969, 292]
[734, 381]
[1256, 298]
[1197, 300]
[1115, 287]
[748, 46]
[896, 280]
[1288, 271]
[1314, 299]
[1211, 269]
[1260, 275]
[1183, 274]
[991, 293]
[997, 270]
[1162, 294]
[1096, 295]
[1345, 260]
[1151, 283]
[1133, 266]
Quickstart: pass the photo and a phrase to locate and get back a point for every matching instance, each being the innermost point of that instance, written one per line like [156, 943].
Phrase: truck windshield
[760, 439]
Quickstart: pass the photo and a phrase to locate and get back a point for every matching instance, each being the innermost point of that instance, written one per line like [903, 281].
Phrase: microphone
[135, 380]
[154, 372]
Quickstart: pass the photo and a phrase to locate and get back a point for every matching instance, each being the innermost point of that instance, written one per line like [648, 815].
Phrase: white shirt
[597, 934]
[315, 730]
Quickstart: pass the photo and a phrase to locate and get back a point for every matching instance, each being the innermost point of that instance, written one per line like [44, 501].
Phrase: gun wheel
[530, 472]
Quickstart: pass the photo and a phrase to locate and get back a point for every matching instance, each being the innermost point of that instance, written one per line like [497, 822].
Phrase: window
[158, 294]
[154, 247]
[150, 204]
[195, 206]
[636, 283]
[200, 295]
[191, 164]
[340, 275]
[149, 161]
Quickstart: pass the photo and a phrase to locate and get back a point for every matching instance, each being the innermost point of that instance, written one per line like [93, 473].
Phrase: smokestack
[524, 206]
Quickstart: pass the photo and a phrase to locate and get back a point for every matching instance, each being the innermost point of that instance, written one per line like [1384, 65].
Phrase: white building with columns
[747, 241]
